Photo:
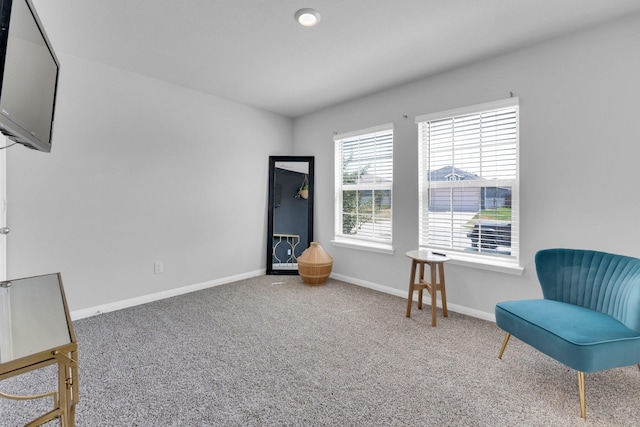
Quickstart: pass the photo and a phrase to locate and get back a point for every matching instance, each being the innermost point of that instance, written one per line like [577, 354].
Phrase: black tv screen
[29, 72]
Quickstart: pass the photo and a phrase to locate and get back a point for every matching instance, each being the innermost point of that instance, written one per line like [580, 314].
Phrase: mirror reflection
[290, 212]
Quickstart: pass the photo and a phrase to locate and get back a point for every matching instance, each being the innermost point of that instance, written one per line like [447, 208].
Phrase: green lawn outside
[499, 214]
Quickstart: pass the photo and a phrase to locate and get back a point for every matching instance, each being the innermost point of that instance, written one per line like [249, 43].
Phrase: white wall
[578, 160]
[141, 171]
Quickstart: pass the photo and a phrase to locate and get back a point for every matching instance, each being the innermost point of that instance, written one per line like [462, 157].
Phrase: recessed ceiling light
[307, 17]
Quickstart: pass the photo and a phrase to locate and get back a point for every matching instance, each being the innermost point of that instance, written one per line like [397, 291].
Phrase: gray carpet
[272, 351]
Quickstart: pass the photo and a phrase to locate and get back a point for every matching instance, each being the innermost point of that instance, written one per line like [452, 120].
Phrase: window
[363, 185]
[468, 182]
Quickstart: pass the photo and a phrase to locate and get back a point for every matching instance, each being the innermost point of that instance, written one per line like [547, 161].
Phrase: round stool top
[424, 255]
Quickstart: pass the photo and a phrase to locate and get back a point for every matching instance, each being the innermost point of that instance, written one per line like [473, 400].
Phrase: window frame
[485, 260]
[370, 243]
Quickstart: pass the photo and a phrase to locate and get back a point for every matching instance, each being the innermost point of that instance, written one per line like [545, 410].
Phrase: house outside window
[468, 182]
[364, 184]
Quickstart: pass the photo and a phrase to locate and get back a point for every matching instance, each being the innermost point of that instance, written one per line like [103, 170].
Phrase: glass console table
[36, 331]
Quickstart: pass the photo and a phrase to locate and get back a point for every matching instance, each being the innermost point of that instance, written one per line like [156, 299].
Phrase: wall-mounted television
[29, 72]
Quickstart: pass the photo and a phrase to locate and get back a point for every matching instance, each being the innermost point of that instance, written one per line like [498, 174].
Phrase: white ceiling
[252, 51]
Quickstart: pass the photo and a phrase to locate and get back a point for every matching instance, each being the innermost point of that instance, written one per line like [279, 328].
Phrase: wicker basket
[315, 264]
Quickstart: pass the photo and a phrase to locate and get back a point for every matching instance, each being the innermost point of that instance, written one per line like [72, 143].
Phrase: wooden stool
[436, 283]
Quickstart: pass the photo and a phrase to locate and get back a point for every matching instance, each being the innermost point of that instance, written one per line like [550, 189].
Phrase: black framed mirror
[290, 212]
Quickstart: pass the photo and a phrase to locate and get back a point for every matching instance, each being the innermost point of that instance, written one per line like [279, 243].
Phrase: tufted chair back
[599, 281]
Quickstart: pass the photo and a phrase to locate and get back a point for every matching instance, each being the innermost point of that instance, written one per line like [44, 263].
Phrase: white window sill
[362, 245]
[483, 264]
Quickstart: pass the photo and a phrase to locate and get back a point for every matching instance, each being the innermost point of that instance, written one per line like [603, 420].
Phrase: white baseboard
[403, 294]
[119, 305]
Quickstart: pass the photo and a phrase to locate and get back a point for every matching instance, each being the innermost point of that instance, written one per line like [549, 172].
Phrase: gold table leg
[68, 386]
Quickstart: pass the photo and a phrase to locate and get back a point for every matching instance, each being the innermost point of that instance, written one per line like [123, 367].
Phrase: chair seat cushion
[583, 339]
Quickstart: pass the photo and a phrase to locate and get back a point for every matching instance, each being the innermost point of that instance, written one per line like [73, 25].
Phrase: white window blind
[363, 184]
[468, 181]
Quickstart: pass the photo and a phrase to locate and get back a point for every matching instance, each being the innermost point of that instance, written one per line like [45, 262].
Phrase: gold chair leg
[583, 404]
[504, 344]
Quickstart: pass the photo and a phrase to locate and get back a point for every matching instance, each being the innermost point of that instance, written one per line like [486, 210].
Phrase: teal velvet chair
[589, 318]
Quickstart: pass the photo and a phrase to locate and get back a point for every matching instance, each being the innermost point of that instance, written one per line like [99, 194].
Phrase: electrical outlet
[288, 251]
[158, 267]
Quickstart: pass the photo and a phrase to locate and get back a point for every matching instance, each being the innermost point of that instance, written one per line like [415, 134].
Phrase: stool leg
[433, 288]
[443, 291]
[421, 281]
[411, 282]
